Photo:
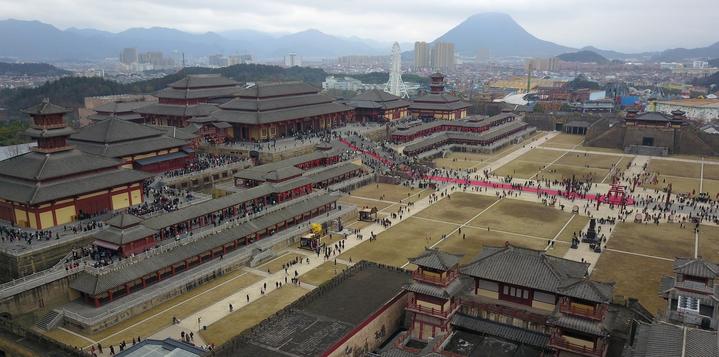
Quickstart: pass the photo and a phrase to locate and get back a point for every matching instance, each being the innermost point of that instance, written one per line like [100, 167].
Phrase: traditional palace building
[194, 96]
[546, 305]
[137, 145]
[379, 106]
[692, 297]
[434, 294]
[56, 183]
[438, 104]
[124, 110]
[268, 111]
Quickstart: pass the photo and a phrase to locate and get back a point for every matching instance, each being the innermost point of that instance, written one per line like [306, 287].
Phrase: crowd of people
[14, 234]
[204, 161]
[160, 199]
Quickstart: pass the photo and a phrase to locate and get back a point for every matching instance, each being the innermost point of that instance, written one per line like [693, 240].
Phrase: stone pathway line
[220, 309]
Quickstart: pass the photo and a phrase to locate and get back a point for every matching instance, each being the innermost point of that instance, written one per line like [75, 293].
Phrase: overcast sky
[624, 25]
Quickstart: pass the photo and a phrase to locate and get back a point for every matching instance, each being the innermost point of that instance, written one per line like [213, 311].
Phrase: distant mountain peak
[500, 34]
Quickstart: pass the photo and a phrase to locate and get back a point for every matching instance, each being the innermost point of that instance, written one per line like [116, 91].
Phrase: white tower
[395, 86]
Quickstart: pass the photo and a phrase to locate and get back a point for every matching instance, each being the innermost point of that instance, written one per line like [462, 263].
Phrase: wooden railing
[432, 311]
[558, 341]
[566, 307]
[436, 280]
[506, 311]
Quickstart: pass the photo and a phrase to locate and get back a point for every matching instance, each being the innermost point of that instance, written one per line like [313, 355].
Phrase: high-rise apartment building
[292, 59]
[128, 56]
[443, 57]
[421, 55]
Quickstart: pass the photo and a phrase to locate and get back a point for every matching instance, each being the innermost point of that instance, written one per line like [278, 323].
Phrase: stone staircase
[50, 320]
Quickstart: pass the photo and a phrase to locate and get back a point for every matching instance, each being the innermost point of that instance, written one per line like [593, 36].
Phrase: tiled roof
[661, 339]
[273, 116]
[203, 93]
[264, 90]
[508, 332]
[525, 267]
[258, 172]
[114, 130]
[295, 101]
[133, 147]
[696, 267]
[584, 288]
[178, 110]
[436, 259]
[203, 81]
[48, 133]
[96, 284]
[449, 137]
[450, 290]
[122, 236]
[45, 108]
[31, 193]
[120, 107]
[39, 166]
[376, 95]
[123, 220]
[591, 327]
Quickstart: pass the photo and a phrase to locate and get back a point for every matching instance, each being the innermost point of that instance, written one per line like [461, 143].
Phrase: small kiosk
[313, 240]
[368, 214]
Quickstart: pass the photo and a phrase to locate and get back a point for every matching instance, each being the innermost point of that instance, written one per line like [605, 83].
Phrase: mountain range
[496, 32]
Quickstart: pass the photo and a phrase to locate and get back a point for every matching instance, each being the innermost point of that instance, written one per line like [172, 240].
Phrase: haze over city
[369, 178]
[630, 26]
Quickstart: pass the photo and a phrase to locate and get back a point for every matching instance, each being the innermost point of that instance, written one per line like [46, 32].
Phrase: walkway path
[220, 309]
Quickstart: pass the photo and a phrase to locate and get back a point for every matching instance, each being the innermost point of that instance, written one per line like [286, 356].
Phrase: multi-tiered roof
[55, 169]
[266, 103]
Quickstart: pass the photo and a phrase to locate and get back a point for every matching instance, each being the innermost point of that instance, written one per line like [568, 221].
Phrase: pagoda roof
[264, 90]
[120, 236]
[259, 105]
[124, 220]
[45, 108]
[122, 116]
[436, 259]
[35, 166]
[120, 107]
[376, 99]
[48, 133]
[438, 105]
[696, 267]
[586, 289]
[437, 98]
[178, 110]
[185, 133]
[23, 191]
[194, 81]
[114, 130]
[273, 116]
[200, 93]
[376, 95]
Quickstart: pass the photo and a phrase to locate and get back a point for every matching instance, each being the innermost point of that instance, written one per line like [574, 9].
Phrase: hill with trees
[71, 91]
[583, 57]
[31, 69]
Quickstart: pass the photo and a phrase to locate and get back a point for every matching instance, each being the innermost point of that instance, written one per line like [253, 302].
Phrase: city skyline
[649, 22]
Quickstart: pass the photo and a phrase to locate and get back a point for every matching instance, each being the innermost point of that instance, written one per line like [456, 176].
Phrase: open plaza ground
[467, 160]
[636, 257]
[557, 164]
[160, 316]
[250, 315]
[322, 273]
[482, 220]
